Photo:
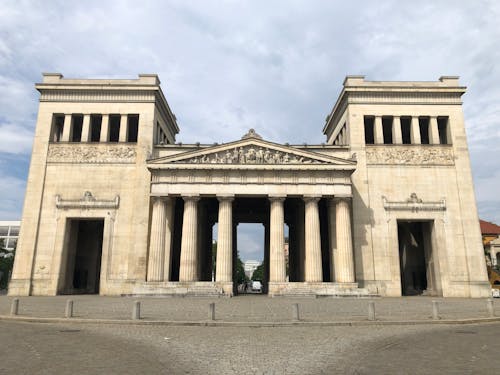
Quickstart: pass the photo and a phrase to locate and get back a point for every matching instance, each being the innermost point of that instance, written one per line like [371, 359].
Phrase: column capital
[339, 198]
[311, 198]
[276, 198]
[191, 198]
[163, 198]
[225, 198]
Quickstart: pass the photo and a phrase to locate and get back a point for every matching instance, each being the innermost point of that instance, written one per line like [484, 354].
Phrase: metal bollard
[211, 311]
[295, 311]
[136, 311]
[489, 306]
[69, 309]
[14, 307]
[435, 310]
[371, 310]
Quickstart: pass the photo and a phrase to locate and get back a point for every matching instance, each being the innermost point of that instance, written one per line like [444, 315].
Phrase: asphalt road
[37, 348]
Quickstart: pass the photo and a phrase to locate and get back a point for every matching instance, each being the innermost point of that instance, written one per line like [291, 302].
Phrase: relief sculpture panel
[252, 155]
[81, 153]
[427, 155]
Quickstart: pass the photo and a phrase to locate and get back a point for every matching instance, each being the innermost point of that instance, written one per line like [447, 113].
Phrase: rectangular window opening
[95, 128]
[369, 124]
[423, 123]
[406, 130]
[57, 131]
[387, 130]
[77, 123]
[133, 128]
[114, 128]
[443, 130]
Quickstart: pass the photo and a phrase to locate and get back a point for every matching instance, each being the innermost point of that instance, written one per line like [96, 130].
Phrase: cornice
[414, 204]
[108, 95]
[88, 201]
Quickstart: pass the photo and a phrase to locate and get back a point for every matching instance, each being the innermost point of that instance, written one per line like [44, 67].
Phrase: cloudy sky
[227, 66]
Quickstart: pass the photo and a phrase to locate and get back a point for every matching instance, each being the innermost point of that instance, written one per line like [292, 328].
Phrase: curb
[249, 324]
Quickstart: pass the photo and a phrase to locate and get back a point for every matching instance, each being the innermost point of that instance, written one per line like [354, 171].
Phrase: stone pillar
[313, 267]
[267, 240]
[344, 257]
[433, 131]
[332, 235]
[86, 128]
[397, 137]
[105, 129]
[415, 131]
[156, 262]
[277, 266]
[123, 128]
[224, 271]
[378, 133]
[67, 128]
[189, 247]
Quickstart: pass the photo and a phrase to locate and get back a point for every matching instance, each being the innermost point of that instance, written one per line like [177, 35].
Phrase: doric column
[314, 270]
[123, 128]
[105, 128]
[332, 235]
[343, 258]
[224, 267]
[433, 131]
[86, 128]
[67, 128]
[415, 131]
[277, 266]
[156, 259]
[378, 132]
[189, 247]
[397, 137]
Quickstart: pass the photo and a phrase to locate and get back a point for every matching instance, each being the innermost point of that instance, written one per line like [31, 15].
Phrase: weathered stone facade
[385, 207]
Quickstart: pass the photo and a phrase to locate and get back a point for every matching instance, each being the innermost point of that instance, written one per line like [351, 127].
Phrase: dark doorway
[84, 252]
[415, 258]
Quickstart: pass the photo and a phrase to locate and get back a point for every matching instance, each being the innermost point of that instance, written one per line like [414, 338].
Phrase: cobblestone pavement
[250, 308]
[34, 348]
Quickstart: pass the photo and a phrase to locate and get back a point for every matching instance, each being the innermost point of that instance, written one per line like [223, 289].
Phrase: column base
[19, 287]
[320, 289]
[183, 289]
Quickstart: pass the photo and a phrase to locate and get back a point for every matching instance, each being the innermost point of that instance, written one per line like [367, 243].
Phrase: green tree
[239, 276]
[258, 274]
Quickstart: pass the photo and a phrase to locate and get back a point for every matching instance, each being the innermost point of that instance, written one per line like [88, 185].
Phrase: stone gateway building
[114, 206]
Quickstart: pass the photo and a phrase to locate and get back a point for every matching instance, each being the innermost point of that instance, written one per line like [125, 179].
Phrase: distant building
[249, 266]
[9, 232]
[491, 241]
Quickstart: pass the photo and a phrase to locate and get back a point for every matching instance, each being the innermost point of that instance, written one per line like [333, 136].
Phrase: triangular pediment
[252, 151]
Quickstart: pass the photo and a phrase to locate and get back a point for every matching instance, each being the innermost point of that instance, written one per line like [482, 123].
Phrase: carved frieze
[251, 155]
[414, 204]
[393, 154]
[86, 153]
[88, 201]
